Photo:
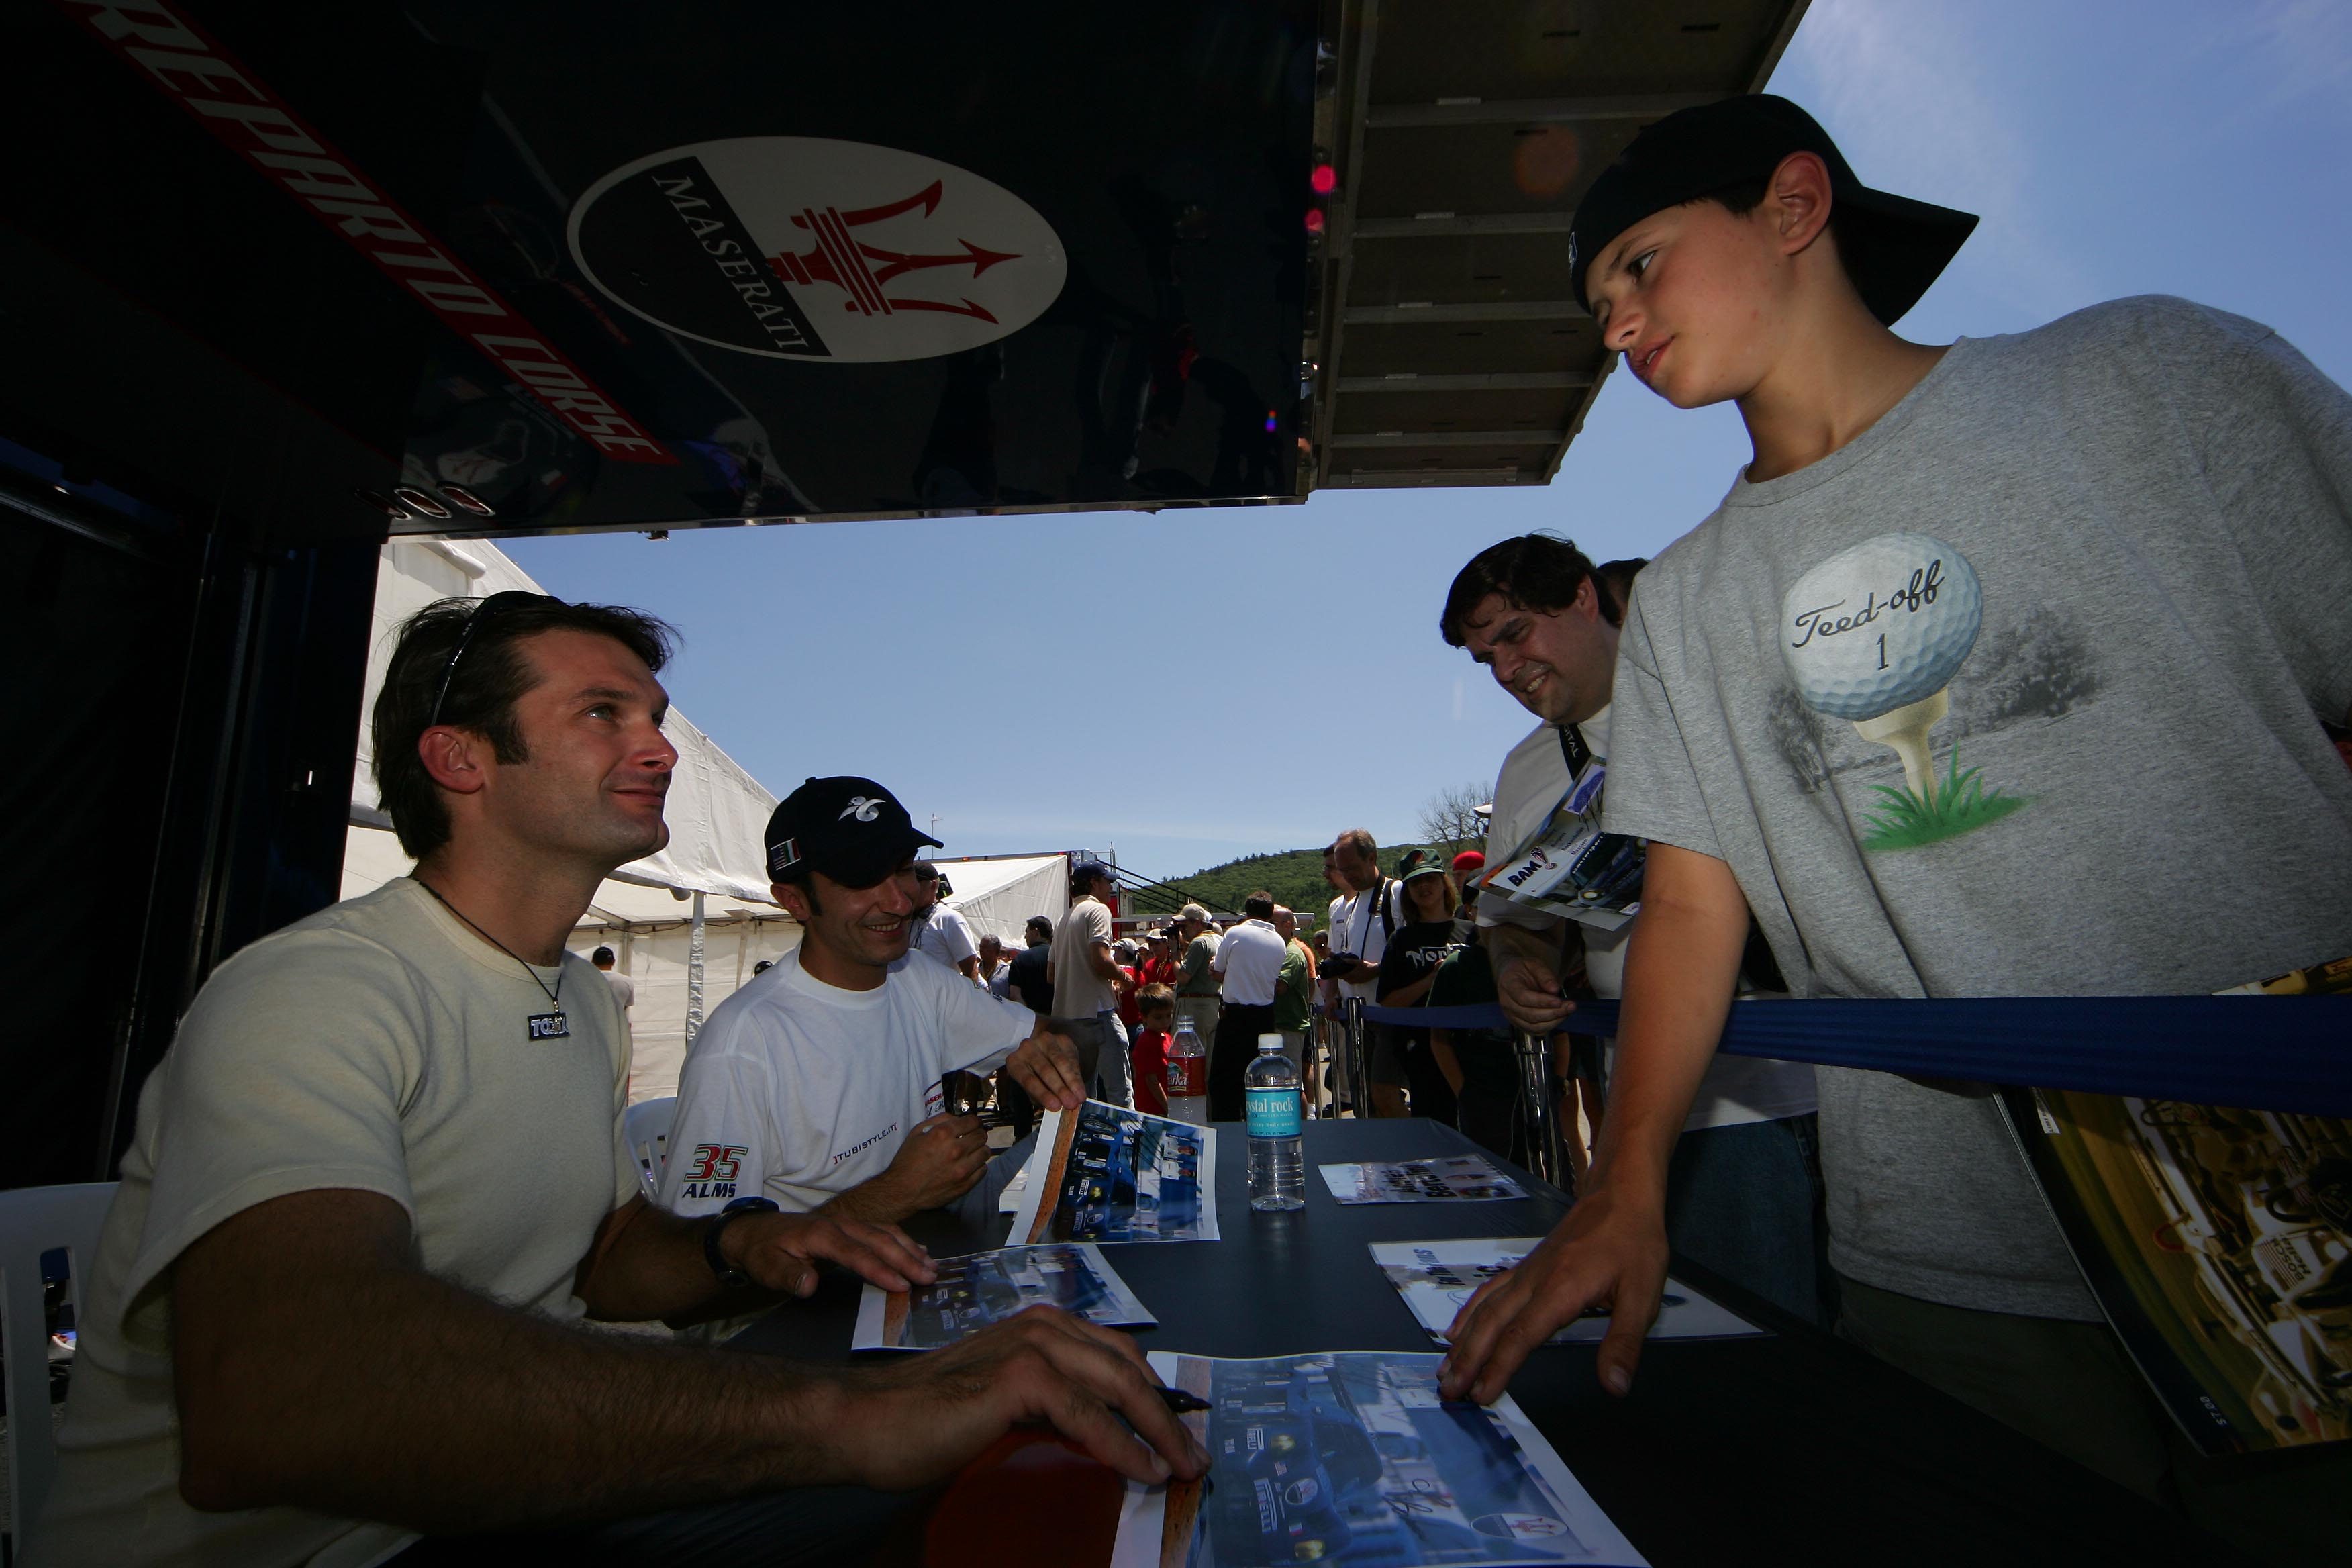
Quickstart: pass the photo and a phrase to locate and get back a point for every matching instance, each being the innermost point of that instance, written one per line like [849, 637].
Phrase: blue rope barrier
[2261, 1053]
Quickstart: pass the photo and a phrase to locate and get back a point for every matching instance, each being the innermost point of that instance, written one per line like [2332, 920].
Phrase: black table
[1795, 1447]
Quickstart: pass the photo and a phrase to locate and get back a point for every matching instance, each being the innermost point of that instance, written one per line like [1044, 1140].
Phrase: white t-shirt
[376, 1046]
[1357, 928]
[1737, 1090]
[798, 1090]
[946, 936]
[624, 990]
[1078, 991]
[1251, 955]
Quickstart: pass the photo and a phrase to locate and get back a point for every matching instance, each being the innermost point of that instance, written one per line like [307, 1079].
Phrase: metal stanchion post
[1544, 1149]
[1360, 1071]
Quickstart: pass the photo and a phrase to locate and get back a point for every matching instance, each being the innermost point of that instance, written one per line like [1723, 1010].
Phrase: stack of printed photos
[1333, 1457]
[1438, 1279]
[1353, 1457]
[1464, 1178]
[985, 1287]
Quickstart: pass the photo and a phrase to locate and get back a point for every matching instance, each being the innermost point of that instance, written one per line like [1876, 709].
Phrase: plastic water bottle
[1188, 1075]
[1277, 1169]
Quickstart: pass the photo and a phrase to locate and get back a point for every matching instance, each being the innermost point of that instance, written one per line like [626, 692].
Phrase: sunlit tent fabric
[999, 895]
[717, 811]
[645, 910]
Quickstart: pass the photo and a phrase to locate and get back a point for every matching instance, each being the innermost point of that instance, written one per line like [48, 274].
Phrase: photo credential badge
[802, 247]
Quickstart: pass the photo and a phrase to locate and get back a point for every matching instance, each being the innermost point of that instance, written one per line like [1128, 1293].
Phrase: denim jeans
[1745, 1200]
[1103, 1059]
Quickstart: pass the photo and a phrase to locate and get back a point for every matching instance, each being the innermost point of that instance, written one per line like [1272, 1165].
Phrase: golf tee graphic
[1874, 634]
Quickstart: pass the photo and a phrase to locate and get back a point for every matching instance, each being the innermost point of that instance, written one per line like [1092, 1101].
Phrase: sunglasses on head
[488, 610]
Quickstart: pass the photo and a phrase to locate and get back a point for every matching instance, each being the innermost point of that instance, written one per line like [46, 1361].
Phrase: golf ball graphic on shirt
[1882, 626]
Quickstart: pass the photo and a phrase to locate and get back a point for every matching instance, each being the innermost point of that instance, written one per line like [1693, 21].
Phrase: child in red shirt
[1150, 1052]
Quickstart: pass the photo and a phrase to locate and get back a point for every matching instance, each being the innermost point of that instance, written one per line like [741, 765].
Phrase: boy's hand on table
[1612, 1250]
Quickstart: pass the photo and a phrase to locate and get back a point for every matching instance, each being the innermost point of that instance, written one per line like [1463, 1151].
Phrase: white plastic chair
[34, 1220]
[645, 1126]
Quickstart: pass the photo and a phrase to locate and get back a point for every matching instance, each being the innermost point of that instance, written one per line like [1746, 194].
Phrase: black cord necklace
[539, 1025]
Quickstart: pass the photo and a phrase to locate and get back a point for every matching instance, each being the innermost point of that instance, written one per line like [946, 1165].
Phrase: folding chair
[36, 1222]
[645, 1125]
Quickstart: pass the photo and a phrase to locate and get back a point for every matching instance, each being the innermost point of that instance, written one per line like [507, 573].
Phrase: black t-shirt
[1486, 1056]
[1032, 976]
[1413, 951]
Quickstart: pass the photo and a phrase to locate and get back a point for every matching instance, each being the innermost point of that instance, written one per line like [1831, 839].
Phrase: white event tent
[998, 893]
[647, 910]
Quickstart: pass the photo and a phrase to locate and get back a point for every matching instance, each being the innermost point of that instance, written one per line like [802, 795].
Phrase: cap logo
[859, 807]
[783, 855]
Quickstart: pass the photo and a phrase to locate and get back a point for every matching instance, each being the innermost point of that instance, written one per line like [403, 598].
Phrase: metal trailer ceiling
[1444, 346]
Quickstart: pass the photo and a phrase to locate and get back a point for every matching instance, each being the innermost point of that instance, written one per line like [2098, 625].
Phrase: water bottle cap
[1269, 1042]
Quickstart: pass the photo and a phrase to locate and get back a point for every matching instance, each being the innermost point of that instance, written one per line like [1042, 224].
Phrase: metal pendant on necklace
[548, 1026]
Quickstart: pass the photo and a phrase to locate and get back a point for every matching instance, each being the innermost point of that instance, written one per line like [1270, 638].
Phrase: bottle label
[1188, 1077]
[1273, 1112]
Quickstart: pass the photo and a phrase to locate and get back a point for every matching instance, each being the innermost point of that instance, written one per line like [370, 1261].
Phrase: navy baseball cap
[1896, 247]
[851, 829]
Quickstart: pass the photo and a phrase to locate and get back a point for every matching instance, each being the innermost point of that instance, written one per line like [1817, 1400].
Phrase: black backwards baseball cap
[1896, 246]
[851, 829]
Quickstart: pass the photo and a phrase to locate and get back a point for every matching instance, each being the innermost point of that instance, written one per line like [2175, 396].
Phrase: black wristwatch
[732, 1278]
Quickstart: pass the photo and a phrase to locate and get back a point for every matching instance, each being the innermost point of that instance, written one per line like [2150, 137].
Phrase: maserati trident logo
[801, 248]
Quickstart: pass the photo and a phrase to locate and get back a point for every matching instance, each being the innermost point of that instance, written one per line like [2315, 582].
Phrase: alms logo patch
[807, 248]
[712, 1169]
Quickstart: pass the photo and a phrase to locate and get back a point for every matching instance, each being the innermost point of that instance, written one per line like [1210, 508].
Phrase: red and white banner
[253, 122]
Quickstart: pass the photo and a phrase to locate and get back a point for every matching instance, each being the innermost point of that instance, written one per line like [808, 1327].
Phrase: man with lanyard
[379, 1178]
[1362, 918]
[818, 1085]
[941, 931]
[1744, 1181]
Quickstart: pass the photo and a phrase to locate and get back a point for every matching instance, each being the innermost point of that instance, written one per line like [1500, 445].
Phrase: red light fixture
[1324, 180]
[1315, 221]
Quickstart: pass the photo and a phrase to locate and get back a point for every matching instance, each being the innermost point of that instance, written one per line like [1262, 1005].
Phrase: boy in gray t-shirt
[1996, 663]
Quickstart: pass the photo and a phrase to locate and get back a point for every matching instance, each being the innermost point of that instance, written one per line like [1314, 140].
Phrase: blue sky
[1012, 675]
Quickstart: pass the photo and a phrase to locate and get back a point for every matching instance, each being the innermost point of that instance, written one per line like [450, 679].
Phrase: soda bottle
[1277, 1170]
[1188, 1074]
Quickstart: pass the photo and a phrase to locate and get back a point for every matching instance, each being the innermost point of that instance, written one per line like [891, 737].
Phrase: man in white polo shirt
[817, 1084]
[1742, 1190]
[1249, 963]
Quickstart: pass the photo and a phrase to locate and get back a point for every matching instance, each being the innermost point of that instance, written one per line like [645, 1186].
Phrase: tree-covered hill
[1295, 877]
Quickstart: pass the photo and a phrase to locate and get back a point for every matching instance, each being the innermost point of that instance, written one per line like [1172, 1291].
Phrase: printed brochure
[1437, 1277]
[986, 1288]
[1463, 1178]
[1569, 867]
[1107, 1174]
[1351, 1457]
[2219, 1242]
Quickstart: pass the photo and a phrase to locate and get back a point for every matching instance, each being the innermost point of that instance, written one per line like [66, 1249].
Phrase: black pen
[1181, 1403]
